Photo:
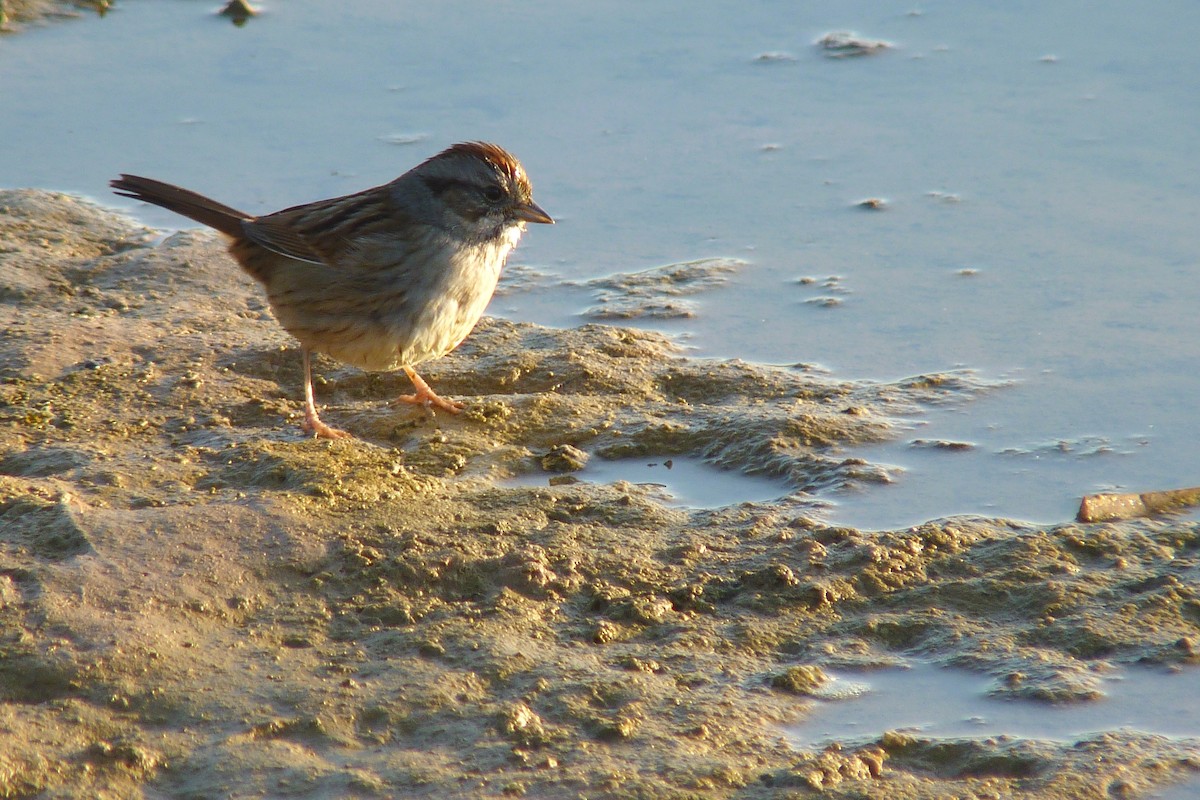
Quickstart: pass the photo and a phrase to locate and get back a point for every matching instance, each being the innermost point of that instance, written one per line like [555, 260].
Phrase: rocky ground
[198, 601]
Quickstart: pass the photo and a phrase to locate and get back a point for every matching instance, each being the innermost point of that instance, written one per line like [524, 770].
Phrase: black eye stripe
[442, 185]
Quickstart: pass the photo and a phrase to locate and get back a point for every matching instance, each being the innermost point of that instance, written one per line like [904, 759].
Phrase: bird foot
[426, 396]
[312, 424]
[430, 401]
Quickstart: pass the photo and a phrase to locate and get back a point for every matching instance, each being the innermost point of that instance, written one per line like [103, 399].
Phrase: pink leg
[312, 423]
[425, 396]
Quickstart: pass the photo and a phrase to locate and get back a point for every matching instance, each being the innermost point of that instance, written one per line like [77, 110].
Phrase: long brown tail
[182, 201]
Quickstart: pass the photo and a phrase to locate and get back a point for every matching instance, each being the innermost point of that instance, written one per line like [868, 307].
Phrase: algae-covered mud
[14, 14]
[197, 602]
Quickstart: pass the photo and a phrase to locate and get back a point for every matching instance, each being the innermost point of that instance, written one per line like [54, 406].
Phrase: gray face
[476, 190]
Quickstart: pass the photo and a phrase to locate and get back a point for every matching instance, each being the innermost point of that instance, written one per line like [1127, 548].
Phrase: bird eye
[493, 194]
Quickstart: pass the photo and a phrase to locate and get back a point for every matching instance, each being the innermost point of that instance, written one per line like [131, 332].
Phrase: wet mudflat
[197, 601]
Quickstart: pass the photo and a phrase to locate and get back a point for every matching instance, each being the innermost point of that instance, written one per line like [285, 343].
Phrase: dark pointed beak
[532, 212]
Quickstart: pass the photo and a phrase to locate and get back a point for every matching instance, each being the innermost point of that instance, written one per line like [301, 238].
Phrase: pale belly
[395, 324]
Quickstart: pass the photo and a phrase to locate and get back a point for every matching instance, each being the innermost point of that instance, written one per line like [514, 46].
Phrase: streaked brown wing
[319, 232]
[278, 237]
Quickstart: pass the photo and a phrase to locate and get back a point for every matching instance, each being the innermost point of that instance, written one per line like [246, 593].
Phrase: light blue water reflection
[931, 701]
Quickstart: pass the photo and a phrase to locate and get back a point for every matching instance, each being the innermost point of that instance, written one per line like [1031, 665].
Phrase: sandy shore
[199, 602]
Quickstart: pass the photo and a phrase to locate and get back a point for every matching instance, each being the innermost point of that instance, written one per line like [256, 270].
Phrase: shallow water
[1183, 791]
[680, 481]
[931, 701]
[1038, 163]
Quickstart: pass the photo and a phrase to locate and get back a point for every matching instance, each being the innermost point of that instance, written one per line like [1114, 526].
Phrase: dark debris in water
[239, 12]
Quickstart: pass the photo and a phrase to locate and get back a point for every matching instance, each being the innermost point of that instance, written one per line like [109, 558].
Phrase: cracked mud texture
[196, 601]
